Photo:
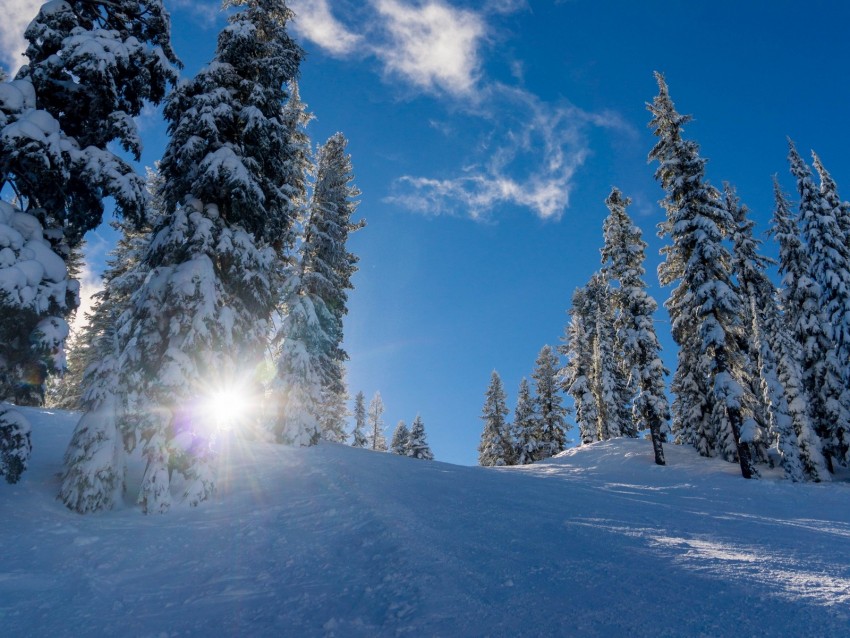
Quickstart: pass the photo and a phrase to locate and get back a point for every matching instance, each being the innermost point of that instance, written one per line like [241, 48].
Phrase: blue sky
[485, 137]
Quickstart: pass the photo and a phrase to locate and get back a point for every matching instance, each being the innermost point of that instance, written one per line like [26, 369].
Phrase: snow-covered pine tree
[835, 270]
[122, 277]
[15, 443]
[376, 439]
[94, 64]
[495, 446]
[609, 383]
[201, 318]
[401, 437]
[814, 298]
[524, 427]
[789, 428]
[94, 461]
[326, 271]
[358, 434]
[576, 378]
[549, 410]
[417, 445]
[704, 307]
[623, 257]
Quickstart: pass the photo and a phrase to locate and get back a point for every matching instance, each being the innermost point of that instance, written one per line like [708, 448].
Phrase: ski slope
[335, 541]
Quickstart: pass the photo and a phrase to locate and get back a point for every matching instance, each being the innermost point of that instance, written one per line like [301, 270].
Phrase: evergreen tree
[401, 437]
[815, 298]
[576, 377]
[92, 66]
[551, 414]
[623, 257]
[609, 384]
[830, 231]
[326, 270]
[417, 446]
[15, 443]
[525, 428]
[201, 317]
[376, 439]
[789, 427]
[704, 307]
[494, 448]
[358, 436]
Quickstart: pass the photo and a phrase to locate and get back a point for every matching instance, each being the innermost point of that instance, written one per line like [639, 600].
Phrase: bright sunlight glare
[227, 407]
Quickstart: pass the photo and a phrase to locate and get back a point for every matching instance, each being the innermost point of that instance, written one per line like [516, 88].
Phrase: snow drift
[336, 541]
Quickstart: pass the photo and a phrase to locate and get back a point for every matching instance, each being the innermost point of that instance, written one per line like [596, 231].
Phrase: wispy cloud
[534, 151]
[17, 14]
[315, 22]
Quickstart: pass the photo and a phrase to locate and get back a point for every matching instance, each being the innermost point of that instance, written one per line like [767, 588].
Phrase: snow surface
[337, 541]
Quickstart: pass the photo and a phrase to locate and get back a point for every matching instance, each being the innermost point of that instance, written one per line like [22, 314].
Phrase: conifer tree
[15, 443]
[401, 437]
[376, 438]
[201, 318]
[326, 271]
[623, 257]
[704, 307]
[551, 414]
[525, 428]
[92, 66]
[417, 446]
[789, 427]
[495, 447]
[814, 297]
[576, 377]
[609, 384]
[358, 435]
[829, 229]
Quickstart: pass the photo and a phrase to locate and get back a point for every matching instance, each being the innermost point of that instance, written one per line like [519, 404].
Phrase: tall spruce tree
[326, 271]
[577, 376]
[495, 446]
[524, 428]
[401, 436]
[789, 427]
[92, 65]
[815, 297]
[202, 316]
[832, 243]
[704, 306]
[548, 403]
[417, 445]
[609, 383]
[623, 257]
[358, 434]
[376, 438]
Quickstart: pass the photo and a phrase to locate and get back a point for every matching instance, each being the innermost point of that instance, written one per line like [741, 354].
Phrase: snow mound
[336, 541]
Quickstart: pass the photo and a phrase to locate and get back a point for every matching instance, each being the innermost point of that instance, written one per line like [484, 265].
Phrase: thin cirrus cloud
[533, 148]
[533, 153]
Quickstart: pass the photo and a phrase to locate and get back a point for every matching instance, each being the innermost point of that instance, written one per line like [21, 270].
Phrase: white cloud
[530, 161]
[432, 45]
[314, 21]
[17, 14]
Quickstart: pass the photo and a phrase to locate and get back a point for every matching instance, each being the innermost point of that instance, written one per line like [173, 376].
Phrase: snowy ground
[333, 541]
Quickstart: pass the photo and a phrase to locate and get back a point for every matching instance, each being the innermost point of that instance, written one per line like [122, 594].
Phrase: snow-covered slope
[335, 541]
